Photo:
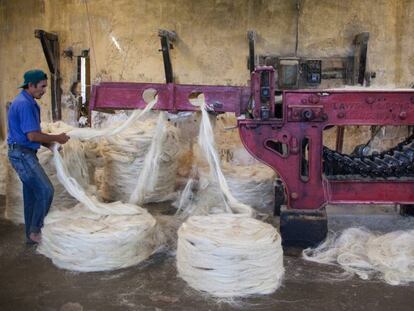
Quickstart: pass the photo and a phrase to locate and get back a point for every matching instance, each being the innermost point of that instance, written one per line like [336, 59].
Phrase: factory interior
[207, 155]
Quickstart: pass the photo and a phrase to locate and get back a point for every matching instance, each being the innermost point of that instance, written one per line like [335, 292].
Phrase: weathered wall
[212, 46]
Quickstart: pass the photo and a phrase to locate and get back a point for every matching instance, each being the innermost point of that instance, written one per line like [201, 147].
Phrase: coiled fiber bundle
[96, 236]
[136, 156]
[14, 196]
[359, 251]
[230, 255]
[81, 240]
[123, 158]
[3, 167]
[252, 185]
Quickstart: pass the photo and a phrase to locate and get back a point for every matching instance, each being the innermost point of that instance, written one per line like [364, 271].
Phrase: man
[24, 139]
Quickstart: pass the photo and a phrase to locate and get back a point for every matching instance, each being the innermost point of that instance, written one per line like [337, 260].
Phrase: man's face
[38, 90]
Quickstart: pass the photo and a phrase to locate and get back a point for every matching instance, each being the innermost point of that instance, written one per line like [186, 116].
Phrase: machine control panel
[313, 69]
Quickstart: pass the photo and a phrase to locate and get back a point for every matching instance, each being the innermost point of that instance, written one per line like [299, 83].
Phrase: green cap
[33, 76]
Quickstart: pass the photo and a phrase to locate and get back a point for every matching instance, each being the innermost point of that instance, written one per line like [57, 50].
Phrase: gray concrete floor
[29, 281]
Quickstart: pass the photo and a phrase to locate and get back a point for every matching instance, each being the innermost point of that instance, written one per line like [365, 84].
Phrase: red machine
[287, 136]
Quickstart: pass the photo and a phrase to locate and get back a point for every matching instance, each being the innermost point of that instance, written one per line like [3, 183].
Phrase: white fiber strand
[206, 143]
[149, 175]
[89, 133]
[359, 251]
[90, 202]
[249, 181]
[230, 255]
[142, 153]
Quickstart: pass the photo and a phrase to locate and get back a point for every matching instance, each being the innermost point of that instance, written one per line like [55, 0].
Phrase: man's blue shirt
[23, 118]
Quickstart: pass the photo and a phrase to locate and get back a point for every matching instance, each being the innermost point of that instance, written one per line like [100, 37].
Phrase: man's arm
[47, 139]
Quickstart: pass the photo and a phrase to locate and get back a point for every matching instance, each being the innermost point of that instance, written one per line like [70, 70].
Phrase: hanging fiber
[250, 181]
[89, 133]
[117, 159]
[157, 177]
[207, 146]
[358, 251]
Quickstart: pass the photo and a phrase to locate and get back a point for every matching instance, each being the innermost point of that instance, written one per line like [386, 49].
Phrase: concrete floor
[29, 281]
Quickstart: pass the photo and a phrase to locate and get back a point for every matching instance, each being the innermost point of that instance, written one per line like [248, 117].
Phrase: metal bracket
[50, 45]
[251, 36]
[167, 37]
[360, 57]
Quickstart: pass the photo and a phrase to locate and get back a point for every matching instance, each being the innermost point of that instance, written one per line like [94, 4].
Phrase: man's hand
[62, 138]
[47, 139]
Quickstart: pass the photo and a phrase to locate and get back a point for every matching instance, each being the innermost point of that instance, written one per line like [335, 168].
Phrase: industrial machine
[287, 136]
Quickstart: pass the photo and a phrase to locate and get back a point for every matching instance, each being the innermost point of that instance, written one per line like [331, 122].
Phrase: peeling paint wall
[212, 46]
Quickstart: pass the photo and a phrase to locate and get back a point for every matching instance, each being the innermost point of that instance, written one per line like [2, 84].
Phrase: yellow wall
[212, 46]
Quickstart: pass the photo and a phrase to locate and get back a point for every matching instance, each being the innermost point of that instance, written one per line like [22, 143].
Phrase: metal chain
[395, 162]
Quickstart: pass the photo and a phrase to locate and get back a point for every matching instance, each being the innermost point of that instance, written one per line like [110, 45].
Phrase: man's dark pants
[37, 188]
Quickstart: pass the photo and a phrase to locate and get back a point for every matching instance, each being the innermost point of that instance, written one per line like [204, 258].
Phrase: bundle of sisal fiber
[3, 167]
[96, 236]
[230, 255]
[361, 252]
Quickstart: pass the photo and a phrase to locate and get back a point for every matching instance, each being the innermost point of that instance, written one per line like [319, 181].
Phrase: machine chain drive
[395, 162]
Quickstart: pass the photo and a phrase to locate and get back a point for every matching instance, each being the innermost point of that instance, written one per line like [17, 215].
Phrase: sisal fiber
[144, 152]
[96, 236]
[216, 177]
[358, 251]
[230, 255]
[14, 196]
[227, 254]
[3, 167]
